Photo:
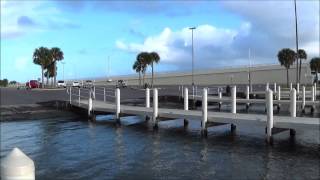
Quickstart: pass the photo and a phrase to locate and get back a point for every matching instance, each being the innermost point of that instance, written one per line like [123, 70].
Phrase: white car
[62, 84]
[75, 84]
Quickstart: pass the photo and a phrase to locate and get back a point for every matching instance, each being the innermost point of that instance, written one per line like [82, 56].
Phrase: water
[78, 149]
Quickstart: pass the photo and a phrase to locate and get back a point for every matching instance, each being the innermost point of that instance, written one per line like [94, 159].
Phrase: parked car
[121, 84]
[32, 84]
[75, 84]
[62, 84]
[88, 84]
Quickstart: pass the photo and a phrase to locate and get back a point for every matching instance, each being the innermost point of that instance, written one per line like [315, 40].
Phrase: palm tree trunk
[287, 77]
[300, 71]
[55, 74]
[139, 78]
[152, 74]
[42, 77]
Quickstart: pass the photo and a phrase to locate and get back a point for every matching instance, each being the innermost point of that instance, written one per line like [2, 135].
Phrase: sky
[102, 38]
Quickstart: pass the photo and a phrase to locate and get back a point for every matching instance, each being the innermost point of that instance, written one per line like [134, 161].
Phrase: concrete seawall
[260, 74]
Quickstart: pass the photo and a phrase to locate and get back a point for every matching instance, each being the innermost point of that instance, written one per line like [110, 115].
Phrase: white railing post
[70, 94]
[147, 97]
[104, 94]
[248, 96]
[204, 111]
[269, 97]
[293, 102]
[79, 98]
[90, 103]
[313, 94]
[275, 87]
[117, 103]
[303, 97]
[279, 93]
[17, 165]
[155, 107]
[234, 100]
[186, 99]
[267, 86]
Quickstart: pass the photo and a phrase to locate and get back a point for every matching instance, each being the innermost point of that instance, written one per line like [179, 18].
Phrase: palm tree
[301, 55]
[41, 56]
[286, 58]
[57, 55]
[155, 58]
[137, 67]
[144, 59]
[315, 66]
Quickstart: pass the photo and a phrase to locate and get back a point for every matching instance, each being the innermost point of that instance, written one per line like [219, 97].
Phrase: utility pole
[297, 47]
[192, 28]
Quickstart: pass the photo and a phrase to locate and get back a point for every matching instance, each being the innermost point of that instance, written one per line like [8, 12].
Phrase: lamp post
[192, 28]
[63, 69]
[297, 47]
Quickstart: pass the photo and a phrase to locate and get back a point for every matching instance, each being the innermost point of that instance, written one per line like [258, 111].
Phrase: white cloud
[175, 46]
[21, 63]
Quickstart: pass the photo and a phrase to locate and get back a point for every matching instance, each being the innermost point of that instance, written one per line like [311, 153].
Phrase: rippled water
[78, 149]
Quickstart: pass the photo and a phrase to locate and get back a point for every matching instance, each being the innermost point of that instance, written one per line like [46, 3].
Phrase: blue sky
[91, 32]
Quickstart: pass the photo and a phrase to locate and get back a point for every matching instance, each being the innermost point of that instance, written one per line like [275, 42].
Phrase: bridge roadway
[213, 117]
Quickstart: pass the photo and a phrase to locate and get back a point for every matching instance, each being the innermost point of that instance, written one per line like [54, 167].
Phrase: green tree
[42, 57]
[144, 59]
[137, 66]
[57, 55]
[315, 66]
[154, 58]
[286, 58]
[302, 55]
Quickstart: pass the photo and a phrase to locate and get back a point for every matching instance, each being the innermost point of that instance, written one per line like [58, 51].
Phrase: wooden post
[234, 100]
[155, 107]
[147, 97]
[293, 102]
[303, 98]
[269, 96]
[118, 104]
[104, 94]
[204, 112]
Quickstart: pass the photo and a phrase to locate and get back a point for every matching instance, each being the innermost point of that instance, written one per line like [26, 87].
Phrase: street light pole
[192, 28]
[295, 13]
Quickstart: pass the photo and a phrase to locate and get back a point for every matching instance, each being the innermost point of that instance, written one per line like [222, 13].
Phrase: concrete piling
[293, 102]
[269, 97]
[204, 112]
[186, 99]
[117, 104]
[234, 100]
[155, 107]
[17, 165]
[147, 97]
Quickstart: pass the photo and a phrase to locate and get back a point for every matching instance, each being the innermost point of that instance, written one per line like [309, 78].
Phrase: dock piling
[79, 96]
[303, 98]
[70, 94]
[279, 97]
[247, 97]
[148, 97]
[155, 107]
[293, 102]
[90, 104]
[204, 131]
[290, 86]
[269, 98]
[234, 100]
[186, 99]
[104, 94]
[118, 104]
[313, 94]
[267, 86]
[220, 97]
[275, 87]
